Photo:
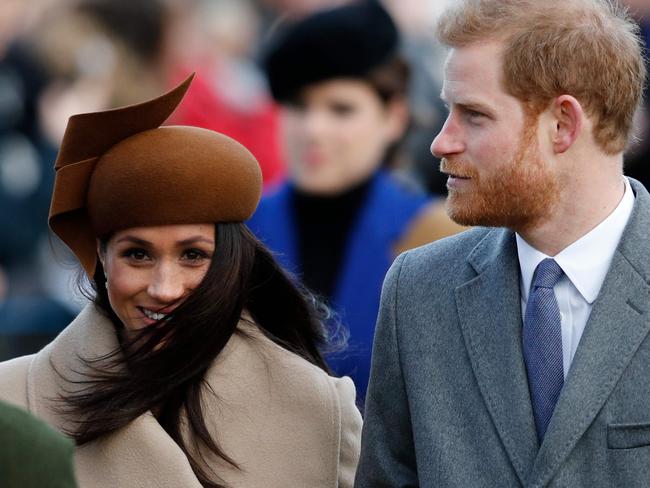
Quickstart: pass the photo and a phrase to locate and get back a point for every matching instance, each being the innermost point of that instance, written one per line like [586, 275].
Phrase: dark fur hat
[348, 41]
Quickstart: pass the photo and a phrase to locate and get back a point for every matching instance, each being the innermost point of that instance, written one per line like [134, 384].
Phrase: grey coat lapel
[618, 324]
[490, 315]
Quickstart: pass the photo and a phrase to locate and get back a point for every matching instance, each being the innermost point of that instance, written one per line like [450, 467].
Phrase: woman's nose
[315, 123]
[166, 286]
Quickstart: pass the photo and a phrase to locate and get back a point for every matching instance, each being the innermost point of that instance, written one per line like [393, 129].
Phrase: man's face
[489, 147]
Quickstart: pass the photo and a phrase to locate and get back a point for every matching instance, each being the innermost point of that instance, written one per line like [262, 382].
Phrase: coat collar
[142, 449]
[490, 315]
[90, 335]
[490, 318]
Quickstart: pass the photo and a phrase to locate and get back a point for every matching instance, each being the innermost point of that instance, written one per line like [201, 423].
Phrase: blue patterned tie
[542, 339]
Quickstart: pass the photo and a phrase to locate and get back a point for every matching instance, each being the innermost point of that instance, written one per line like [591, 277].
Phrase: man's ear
[570, 120]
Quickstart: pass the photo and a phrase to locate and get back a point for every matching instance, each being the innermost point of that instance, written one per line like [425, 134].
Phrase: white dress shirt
[585, 264]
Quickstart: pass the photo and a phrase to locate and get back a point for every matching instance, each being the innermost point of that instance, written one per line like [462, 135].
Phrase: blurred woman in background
[198, 363]
[342, 218]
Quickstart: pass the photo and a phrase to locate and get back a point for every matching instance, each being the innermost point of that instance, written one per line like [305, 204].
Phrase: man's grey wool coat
[448, 402]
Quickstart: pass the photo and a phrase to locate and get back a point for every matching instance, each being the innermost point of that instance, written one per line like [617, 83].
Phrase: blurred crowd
[60, 57]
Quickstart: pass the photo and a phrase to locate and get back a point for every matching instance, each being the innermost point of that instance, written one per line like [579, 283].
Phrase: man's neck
[578, 211]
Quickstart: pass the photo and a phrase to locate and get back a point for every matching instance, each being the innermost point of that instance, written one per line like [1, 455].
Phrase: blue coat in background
[382, 220]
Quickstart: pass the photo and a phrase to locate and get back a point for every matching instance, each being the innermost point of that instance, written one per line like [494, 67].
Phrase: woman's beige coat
[283, 420]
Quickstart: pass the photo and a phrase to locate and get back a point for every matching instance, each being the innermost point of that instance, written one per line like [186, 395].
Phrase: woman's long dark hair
[169, 379]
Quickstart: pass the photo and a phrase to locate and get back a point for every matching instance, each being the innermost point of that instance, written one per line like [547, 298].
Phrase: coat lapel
[617, 326]
[490, 315]
[140, 454]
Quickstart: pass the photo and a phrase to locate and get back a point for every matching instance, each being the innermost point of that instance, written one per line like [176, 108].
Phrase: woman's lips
[152, 315]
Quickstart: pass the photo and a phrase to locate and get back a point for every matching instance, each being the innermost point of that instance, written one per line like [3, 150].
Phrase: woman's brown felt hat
[119, 169]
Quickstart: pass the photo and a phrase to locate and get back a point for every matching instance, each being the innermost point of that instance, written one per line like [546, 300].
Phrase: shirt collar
[587, 260]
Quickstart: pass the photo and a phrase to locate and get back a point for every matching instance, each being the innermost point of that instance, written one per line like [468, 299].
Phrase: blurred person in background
[25, 167]
[415, 20]
[274, 10]
[114, 52]
[198, 362]
[29, 316]
[79, 64]
[101, 53]
[342, 217]
[32, 454]
[637, 158]
[425, 55]
[28, 320]
[216, 39]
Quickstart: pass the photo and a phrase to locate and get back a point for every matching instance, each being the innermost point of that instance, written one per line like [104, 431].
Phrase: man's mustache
[454, 167]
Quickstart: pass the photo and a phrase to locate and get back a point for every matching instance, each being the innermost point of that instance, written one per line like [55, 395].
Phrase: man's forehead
[466, 60]
[474, 68]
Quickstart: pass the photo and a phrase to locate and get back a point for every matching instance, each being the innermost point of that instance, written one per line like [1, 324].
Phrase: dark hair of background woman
[170, 379]
[390, 81]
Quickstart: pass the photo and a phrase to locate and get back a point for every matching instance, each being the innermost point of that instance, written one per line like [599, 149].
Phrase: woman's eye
[296, 105]
[136, 254]
[342, 109]
[195, 255]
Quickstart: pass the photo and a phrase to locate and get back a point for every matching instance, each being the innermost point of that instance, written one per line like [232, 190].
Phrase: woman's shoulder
[13, 380]
[252, 340]
[259, 363]
[269, 407]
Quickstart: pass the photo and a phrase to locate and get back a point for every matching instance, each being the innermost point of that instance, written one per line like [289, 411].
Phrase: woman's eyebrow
[184, 242]
[135, 240]
[194, 240]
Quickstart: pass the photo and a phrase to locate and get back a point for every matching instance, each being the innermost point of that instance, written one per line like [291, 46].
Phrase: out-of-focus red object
[256, 128]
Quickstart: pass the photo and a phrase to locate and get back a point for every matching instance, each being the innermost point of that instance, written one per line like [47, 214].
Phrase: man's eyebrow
[477, 106]
[470, 105]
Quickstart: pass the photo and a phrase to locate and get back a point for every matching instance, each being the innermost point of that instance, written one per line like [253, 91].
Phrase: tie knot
[548, 274]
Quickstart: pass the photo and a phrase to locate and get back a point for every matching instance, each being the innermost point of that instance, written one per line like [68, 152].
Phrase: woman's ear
[101, 253]
[398, 115]
[569, 117]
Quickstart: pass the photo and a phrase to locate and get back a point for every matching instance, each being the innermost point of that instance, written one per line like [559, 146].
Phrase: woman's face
[151, 270]
[337, 133]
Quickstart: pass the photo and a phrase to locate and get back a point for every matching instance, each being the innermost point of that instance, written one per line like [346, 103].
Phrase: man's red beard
[518, 194]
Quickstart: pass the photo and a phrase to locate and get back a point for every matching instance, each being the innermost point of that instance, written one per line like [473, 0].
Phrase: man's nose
[448, 141]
